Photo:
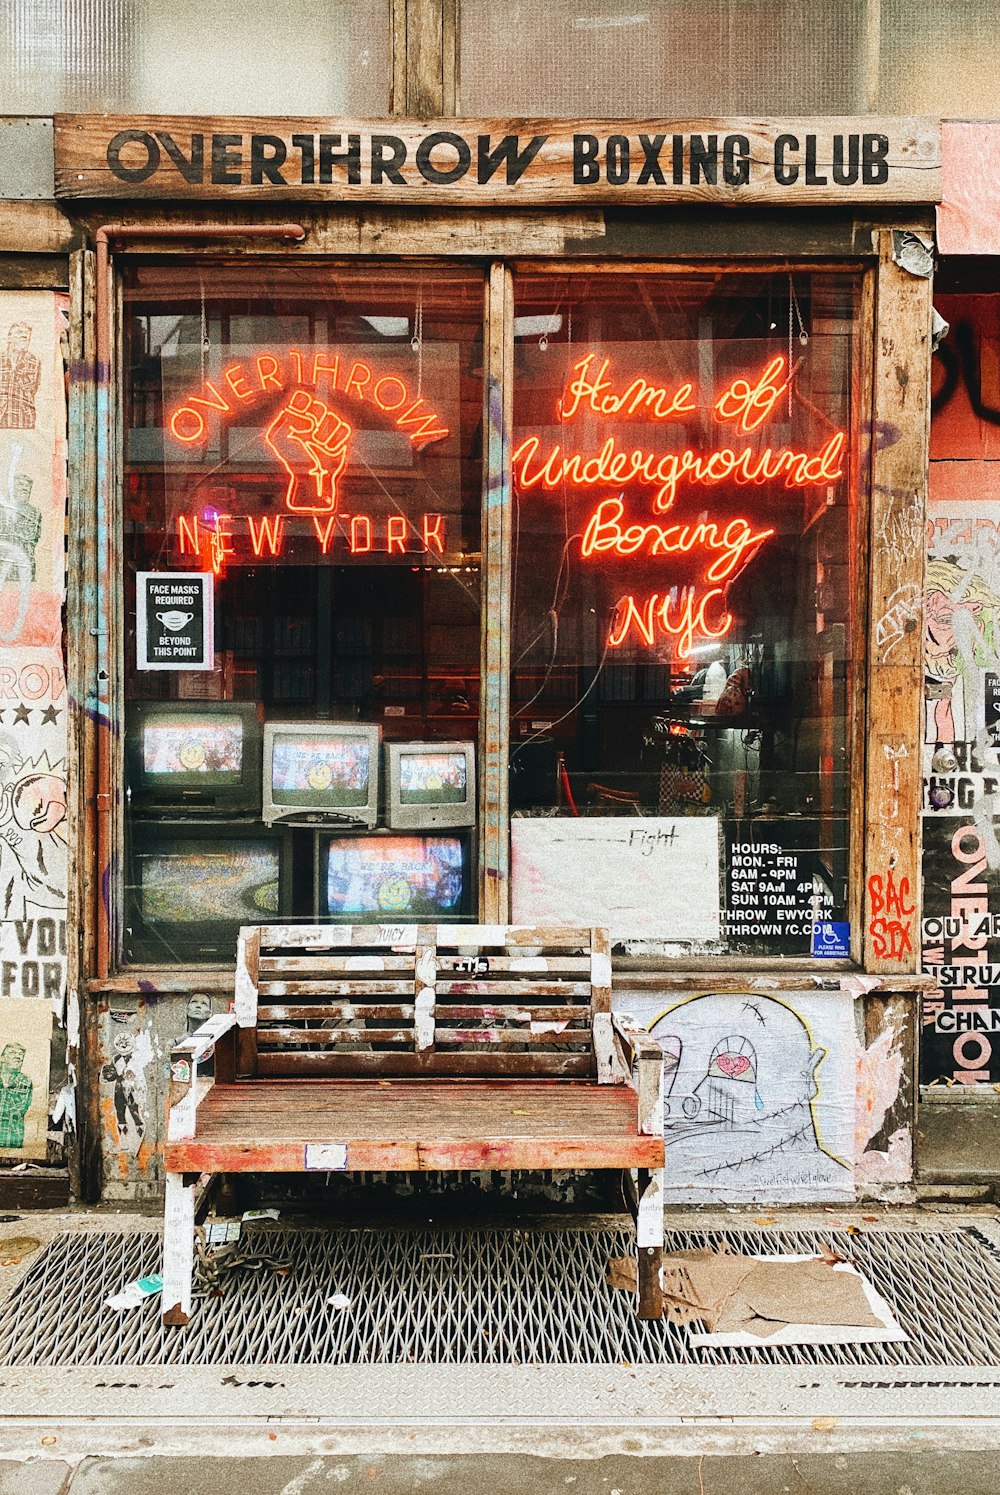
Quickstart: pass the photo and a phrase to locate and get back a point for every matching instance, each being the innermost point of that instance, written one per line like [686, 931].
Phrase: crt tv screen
[430, 784]
[393, 877]
[194, 752]
[321, 769]
[189, 894]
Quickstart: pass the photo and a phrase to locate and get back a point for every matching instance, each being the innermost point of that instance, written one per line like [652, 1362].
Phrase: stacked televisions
[219, 805]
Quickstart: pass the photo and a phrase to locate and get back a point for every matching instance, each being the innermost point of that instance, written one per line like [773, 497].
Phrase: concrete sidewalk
[911, 1473]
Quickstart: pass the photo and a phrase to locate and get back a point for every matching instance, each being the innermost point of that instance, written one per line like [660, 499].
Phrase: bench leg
[178, 1250]
[649, 1243]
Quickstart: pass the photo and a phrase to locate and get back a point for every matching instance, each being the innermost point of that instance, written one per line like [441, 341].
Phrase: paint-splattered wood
[795, 162]
[335, 988]
[893, 784]
[265, 1127]
[357, 967]
[488, 1060]
[526, 989]
[333, 1011]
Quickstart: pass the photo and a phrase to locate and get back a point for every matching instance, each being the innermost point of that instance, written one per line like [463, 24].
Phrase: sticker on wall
[759, 1095]
[25, 1046]
[174, 617]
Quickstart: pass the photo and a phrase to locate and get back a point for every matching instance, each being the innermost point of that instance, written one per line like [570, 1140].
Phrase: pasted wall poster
[760, 1094]
[960, 931]
[25, 1045]
[33, 710]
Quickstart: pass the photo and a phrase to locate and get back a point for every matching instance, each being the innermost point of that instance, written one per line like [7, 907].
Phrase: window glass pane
[308, 442]
[684, 470]
[939, 59]
[663, 59]
[195, 56]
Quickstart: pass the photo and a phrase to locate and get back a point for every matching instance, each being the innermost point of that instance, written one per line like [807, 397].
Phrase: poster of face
[759, 1092]
[25, 1046]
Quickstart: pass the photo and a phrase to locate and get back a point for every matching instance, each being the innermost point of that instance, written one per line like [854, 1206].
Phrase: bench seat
[265, 1126]
[416, 1048]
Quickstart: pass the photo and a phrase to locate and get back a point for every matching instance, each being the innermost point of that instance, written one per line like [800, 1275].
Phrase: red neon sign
[218, 538]
[747, 403]
[245, 383]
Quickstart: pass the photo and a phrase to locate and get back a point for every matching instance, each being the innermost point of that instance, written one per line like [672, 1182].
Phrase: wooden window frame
[894, 349]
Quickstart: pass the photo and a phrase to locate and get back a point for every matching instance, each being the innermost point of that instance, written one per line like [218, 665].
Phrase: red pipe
[99, 835]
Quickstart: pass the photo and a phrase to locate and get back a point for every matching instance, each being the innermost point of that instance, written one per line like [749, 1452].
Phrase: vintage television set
[321, 772]
[189, 889]
[387, 877]
[195, 755]
[430, 784]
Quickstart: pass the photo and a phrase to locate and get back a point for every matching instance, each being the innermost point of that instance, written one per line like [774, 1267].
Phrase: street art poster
[32, 468]
[759, 1095]
[960, 948]
[25, 1047]
[961, 798]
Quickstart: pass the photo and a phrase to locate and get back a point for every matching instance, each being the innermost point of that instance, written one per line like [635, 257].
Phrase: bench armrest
[198, 1046]
[644, 1059]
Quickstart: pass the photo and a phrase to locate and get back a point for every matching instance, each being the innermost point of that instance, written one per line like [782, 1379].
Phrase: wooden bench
[416, 1047]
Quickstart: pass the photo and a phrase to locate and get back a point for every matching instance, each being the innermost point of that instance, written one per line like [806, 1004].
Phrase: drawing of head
[124, 1045]
[18, 337]
[38, 802]
[11, 1060]
[959, 607]
[740, 1081]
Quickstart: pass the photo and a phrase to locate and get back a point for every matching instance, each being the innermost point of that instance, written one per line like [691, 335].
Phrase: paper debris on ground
[137, 1292]
[726, 1299]
[261, 1214]
[222, 1232]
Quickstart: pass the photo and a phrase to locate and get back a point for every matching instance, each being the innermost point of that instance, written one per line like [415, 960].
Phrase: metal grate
[529, 1297]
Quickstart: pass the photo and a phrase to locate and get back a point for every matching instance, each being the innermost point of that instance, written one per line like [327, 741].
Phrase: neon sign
[247, 382]
[698, 610]
[217, 537]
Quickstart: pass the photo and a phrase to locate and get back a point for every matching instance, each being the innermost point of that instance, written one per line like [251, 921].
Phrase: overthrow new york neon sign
[310, 443]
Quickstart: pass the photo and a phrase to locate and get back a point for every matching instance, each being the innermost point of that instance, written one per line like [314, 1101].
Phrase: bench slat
[486, 1061]
[270, 1038]
[336, 988]
[488, 1013]
[336, 965]
[334, 1011]
[512, 1037]
[482, 987]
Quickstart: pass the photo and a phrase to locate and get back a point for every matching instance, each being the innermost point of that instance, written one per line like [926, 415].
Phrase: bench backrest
[433, 1000]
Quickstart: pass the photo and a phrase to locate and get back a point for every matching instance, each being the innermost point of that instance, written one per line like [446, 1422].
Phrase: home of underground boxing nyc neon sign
[698, 610]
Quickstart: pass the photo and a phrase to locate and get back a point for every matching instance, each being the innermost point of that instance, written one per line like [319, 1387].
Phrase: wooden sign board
[534, 162]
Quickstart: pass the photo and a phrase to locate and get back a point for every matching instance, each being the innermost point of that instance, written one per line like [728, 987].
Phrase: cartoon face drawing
[192, 756]
[320, 776]
[38, 803]
[741, 1076]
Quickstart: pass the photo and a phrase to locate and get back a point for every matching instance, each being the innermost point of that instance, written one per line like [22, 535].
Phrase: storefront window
[301, 507]
[684, 569]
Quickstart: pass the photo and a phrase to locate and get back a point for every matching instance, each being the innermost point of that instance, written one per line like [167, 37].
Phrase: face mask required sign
[174, 615]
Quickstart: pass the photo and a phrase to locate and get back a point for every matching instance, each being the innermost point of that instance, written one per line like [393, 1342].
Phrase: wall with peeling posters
[960, 930]
[36, 1093]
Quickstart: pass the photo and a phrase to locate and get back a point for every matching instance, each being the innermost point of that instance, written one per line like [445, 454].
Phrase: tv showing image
[193, 745]
[408, 877]
[321, 770]
[305, 767]
[190, 887]
[205, 754]
[430, 785]
[239, 884]
[432, 779]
